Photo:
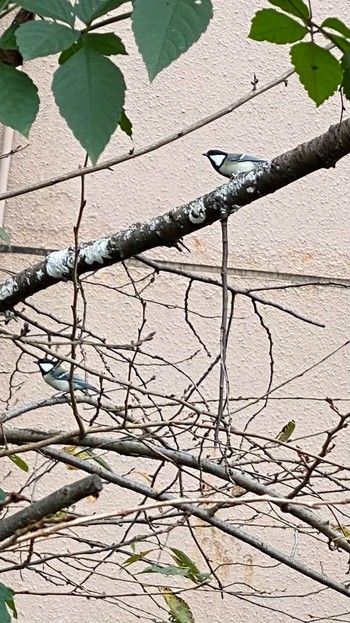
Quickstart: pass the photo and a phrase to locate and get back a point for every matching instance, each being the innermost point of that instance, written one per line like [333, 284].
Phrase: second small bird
[229, 165]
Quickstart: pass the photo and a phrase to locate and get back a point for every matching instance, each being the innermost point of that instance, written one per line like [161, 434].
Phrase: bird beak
[205, 155]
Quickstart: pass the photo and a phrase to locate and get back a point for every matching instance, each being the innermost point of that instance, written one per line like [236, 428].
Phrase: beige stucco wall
[301, 230]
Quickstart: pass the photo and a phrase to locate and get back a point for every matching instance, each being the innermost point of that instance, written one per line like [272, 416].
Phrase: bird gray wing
[244, 158]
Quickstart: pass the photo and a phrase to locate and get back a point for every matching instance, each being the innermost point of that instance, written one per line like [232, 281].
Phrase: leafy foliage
[4, 236]
[319, 70]
[165, 30]
[19, 101]
[179, 610]
[294, 7]
[96, 90]
[270, 25]
[88, 88]
[17, 460]
[41, 38]
[346, 74]
[7, 604]
[61, 10]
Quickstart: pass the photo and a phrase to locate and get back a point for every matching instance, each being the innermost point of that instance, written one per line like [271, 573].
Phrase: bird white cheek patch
[218, 159]
[46, 367]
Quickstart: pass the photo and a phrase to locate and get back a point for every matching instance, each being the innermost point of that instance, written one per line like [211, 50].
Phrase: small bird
[229, 165]
[56, 376]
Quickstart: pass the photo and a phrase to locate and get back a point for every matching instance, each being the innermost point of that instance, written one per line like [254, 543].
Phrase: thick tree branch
[176, 457]
[321, 152]
[56, 501]
[206, 516]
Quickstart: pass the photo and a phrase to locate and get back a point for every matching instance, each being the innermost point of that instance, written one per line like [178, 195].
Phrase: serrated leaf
[56, 9]
[165, 570]
[345, 63]
[135, 558]
[179, 609]
[89, 91]
[8, 38]
[43, 38]
[5, 238]
[287, 431]
[165, 30]
[336, 24]
[294, 7]
[19, 101]
[106, 43]
[17, 460]
[125, 124]
[275, 27]
[319, 71]
[88, 10]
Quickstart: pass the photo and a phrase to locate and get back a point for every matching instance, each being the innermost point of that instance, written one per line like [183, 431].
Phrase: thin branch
[107, 164]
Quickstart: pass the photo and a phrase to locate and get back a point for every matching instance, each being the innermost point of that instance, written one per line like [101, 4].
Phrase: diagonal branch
[206, 516]
[321, 152]
[56, 501]
[176, 457]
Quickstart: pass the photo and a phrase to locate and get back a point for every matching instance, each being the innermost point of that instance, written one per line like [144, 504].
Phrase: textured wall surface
[302, 230]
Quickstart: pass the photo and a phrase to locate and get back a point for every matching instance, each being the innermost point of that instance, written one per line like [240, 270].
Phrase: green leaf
[88, 10]
[166, 570]
[8, 38]
[100, 461]
[106, 43]
[6, 601]
[56, 9]
[345, 63]
[179, 609]
[135, 558]
[275, 27]
[336, 24]
[294, 7]
[165, 30]
[125, 124]
[2, 495]
[66, 54]
[19, 101]
[287, 431]
[183, 561]
[319, 71]
[89, 91]
[340, 42]
[42, 38]
[17, 460]
[5, 238]
[4, 4]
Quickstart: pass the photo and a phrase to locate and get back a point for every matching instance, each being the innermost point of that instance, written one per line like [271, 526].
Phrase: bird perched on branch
[229, 165]
[56, 376]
